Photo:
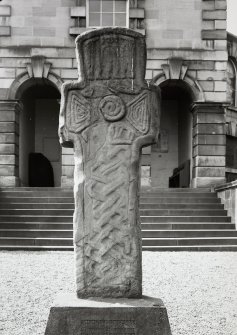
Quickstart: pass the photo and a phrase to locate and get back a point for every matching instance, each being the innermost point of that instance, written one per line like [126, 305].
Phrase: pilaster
[209, 144]
[67, 178]
[9, 142]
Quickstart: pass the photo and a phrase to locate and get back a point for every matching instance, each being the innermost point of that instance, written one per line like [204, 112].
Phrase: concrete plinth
[72, 316]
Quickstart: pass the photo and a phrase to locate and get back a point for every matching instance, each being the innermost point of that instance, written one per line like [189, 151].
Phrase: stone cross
[108, 116]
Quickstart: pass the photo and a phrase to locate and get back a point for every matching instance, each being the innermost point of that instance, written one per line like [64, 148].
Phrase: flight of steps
[172, 220]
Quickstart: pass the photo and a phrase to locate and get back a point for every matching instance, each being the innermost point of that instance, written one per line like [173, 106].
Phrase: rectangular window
[107, 13]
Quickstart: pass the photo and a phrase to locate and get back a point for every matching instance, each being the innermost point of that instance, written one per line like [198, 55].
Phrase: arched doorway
[39, 148]
[171, 158]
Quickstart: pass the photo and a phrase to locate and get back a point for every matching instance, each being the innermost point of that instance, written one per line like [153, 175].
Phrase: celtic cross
[108, 116]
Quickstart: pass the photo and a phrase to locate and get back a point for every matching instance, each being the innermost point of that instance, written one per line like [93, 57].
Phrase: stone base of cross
[105, 316]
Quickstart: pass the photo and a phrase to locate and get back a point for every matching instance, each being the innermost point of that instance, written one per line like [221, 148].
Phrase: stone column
[9, 142]
[209, 144]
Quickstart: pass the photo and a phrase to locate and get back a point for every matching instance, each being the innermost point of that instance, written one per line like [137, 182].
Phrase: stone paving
[198, 289]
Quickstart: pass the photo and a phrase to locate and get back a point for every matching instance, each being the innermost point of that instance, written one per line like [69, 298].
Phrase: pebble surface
[199, 290]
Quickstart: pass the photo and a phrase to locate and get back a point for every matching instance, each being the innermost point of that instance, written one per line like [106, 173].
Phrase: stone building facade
[190, 57]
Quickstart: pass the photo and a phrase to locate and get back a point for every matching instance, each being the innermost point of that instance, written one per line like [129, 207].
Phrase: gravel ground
[198, 289]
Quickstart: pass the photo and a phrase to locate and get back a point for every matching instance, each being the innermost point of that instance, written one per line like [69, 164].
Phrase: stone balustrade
[228, 195]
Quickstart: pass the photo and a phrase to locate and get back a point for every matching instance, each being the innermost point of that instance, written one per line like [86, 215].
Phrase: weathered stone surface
[136, 13]
[78, 11]
[209, 139]
[5, 31]
[8, 149]
[108, 116]
[208, 118]
[207, 181]
[220, 44]
[8, 116]
[209, 128]
[209, 172]
[70, 315]
[7, 127]
[9, 138]
[5, 10]
[9, 181]
[220, 24]
[219, 34]
[209, 150]
[214, 15]
[211, 161]
[8, 159]
[8, 170]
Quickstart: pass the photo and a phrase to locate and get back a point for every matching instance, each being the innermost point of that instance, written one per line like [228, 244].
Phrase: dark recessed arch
[23, 81]
[188, 84]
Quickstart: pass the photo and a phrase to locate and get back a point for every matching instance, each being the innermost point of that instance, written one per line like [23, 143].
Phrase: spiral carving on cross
[112, 108]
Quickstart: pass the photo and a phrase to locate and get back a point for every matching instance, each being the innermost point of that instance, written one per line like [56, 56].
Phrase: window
[107, 13]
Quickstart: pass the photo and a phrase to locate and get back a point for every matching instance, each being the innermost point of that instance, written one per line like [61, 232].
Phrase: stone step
[143, 201]
[182, 212]
[28, 188]
[19, 194]
[70, 189]
[36, 212]
[36, 233]
[182, 218]
[193, 248]
[198, 248]
[144, 219]
[181, 200]
[14, 206]
[178, 194]
[50, 200]
[166, 242]
[159, 234]
[36, 225]
[145, 212]
[189, 241]
[34, 218]
[172, 219]
[190, 206]
[40, 241]
[188, 226]
[39, 197]
[145, 226]
[37, 248]
[188, 233]
[174, 189]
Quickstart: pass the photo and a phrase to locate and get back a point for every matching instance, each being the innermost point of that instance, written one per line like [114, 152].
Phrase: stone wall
[37, 22]
[173, 25]
[202, 42]
[42, 27]
[190, 31]
[36, 28]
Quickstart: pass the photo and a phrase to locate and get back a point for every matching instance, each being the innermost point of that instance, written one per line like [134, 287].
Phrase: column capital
[11, 105]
